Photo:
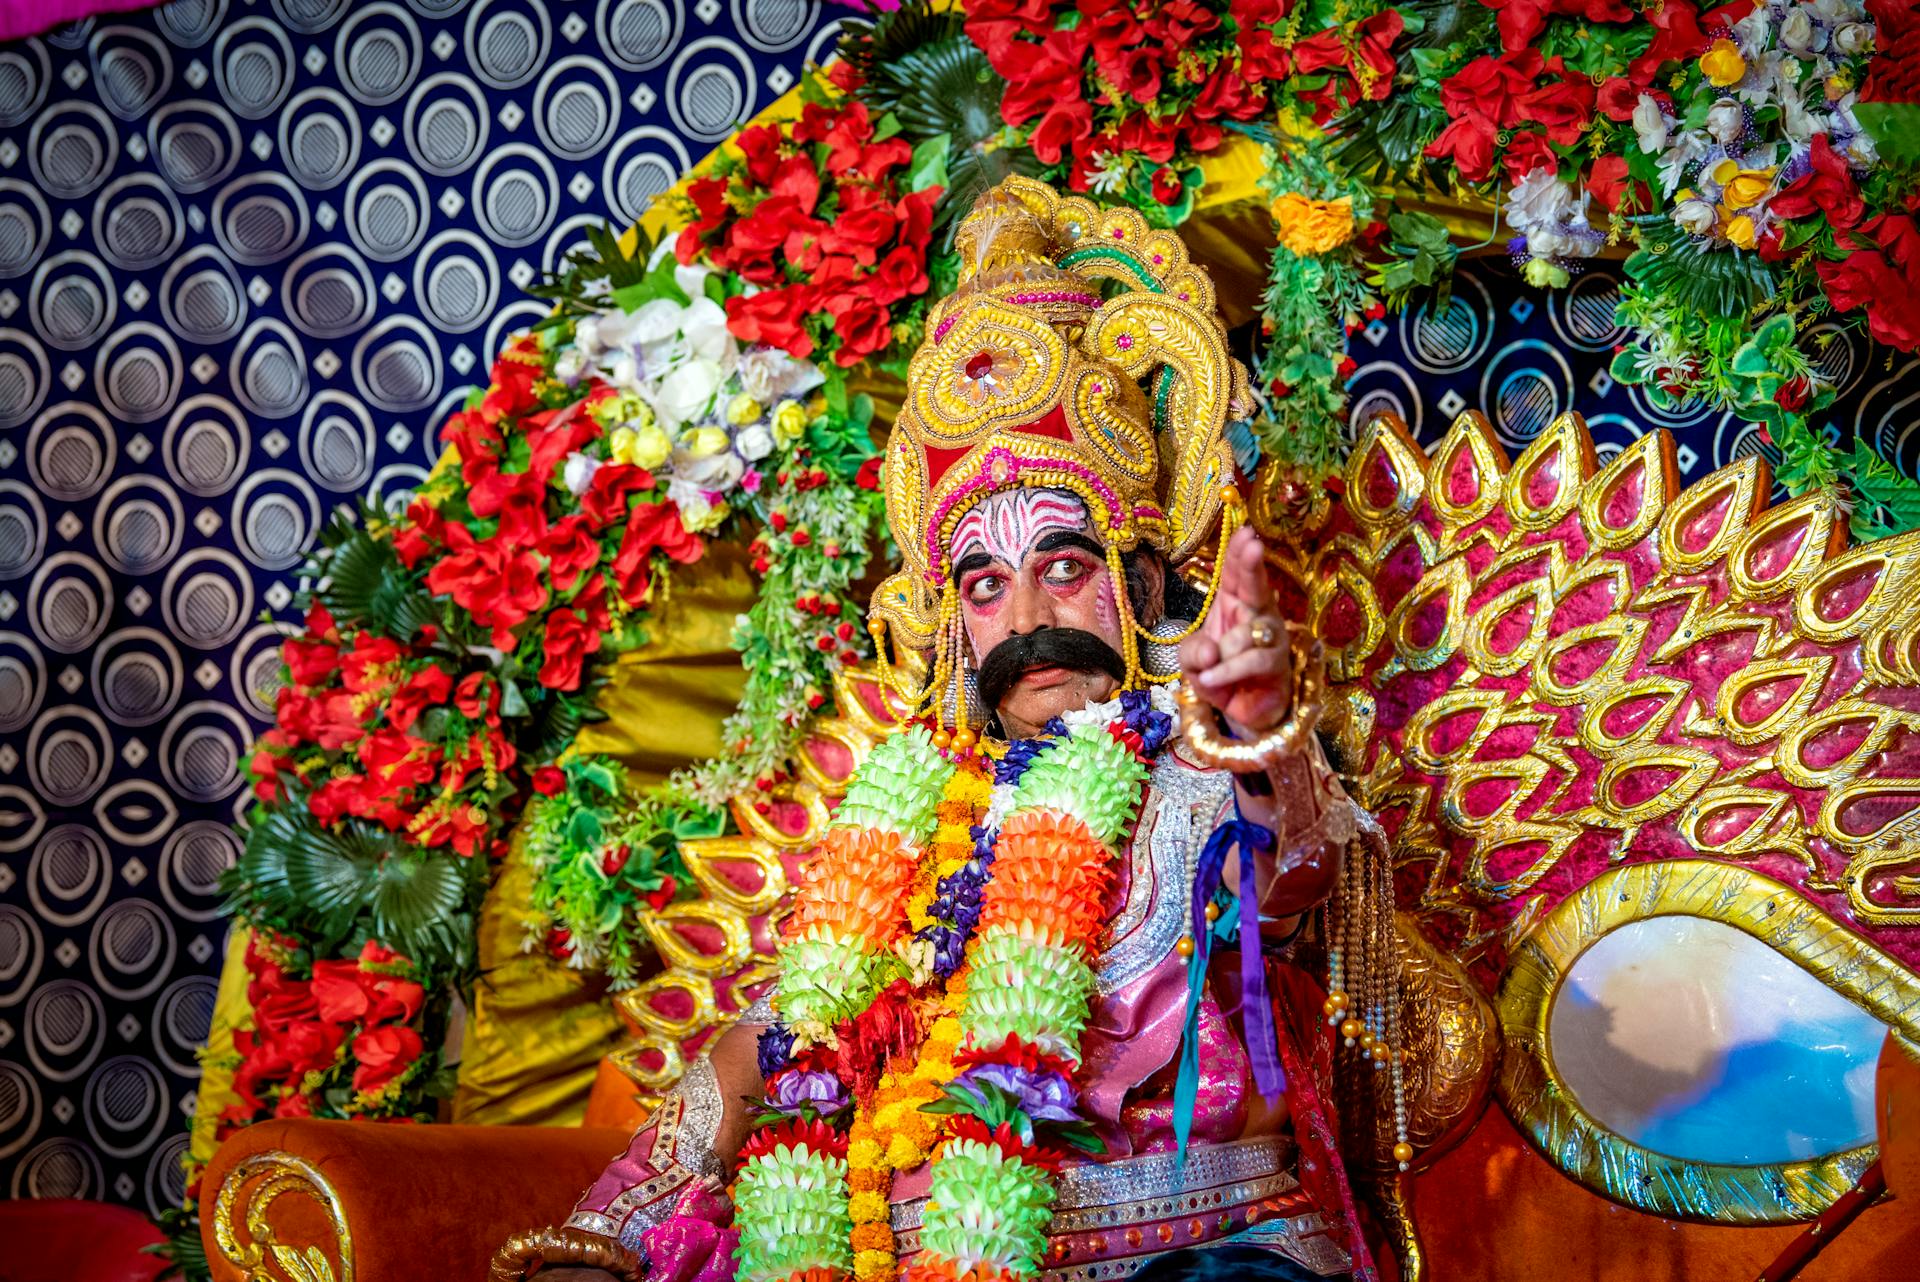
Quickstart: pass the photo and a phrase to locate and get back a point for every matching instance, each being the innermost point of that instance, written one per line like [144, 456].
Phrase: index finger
[1244, 577]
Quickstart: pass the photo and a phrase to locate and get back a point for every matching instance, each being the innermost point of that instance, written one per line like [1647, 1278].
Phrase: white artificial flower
[1651, 124]
[1765, 74]
[1538, 200]
[577, 473]
[1853, 39]
[768, 374]
[1107, 173]
[1544, 242]
[569, 365]
[1796, 122]
[1687, 148]
[1848, 138]
[704, 326]
[686, 394]
[586, 335]
[1694, 216]
[754, 443]
[622, 370]
[1751, 32]
[1726, 121]
[655, 322]
[720, 471]
[1835, 12]
[1800, 35]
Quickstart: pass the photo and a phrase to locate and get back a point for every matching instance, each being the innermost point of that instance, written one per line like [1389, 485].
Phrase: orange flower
[1310, 227]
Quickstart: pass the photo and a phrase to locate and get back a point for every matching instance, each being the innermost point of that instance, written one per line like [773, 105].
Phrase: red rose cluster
[1161, 78]
[812, 217]
[358, 1011]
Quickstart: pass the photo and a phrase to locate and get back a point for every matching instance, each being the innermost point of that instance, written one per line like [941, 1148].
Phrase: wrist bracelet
[517, 1257]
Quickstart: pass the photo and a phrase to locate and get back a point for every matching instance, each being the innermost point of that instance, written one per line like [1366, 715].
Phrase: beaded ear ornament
[1083, 352]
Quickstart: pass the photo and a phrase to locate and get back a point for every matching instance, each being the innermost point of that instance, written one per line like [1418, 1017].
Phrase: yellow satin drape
[538, 1028]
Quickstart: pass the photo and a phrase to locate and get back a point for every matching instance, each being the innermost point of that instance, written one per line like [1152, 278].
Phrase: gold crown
[1037, 373]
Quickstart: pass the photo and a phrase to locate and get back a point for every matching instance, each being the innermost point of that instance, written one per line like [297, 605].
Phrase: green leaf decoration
[929, 165]
[1625, 369]
[366, 584]
[1895, 130]
[417, 900]
[1694, 275]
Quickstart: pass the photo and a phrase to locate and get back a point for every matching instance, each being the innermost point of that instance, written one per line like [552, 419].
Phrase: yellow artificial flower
[1746, 187]
[646, 446]
[872, 1266]
[867, 1206]
[864, 1152]
[1740, 231]
[704, 442]
[1722, 64]
[789, 421]
[1312, 226]
[743, 409]
[903, 1154]
[1544, 273]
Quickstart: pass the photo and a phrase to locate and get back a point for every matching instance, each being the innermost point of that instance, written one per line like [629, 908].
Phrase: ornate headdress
[1031, 376]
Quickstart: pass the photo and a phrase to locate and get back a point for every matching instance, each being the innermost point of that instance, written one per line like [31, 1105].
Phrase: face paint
[1103, 607]
[1005, 525]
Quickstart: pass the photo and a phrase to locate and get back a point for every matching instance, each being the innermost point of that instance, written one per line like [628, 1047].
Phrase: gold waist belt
[1110, 1218]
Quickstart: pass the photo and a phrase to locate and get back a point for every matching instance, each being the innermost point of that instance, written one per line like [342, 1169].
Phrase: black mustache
[1068, 648]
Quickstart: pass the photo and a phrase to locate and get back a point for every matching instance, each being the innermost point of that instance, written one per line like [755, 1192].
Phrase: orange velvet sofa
[309, 1201]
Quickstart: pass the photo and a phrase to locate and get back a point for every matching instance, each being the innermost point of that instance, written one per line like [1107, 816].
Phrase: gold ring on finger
[1263, 633]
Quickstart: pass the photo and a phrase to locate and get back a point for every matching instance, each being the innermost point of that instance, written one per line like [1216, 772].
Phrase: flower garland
[1021, 897]
[1126, 95]
[1756, 157]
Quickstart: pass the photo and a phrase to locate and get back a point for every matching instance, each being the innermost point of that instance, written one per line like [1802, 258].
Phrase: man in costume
[1036, 1012]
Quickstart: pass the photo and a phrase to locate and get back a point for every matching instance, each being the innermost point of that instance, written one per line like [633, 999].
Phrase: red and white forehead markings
[1006, 524]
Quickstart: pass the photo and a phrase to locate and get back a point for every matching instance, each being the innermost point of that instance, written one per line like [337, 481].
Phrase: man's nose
[1029, 610]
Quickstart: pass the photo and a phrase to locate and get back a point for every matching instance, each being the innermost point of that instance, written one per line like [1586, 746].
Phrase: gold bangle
[563, 1246]
[1205, 745]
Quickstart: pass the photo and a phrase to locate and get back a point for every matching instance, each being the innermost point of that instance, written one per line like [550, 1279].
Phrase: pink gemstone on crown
[1157, 260]
[1119, 233]
[1124, 342]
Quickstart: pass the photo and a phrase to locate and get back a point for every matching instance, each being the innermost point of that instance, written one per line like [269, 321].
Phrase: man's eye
[1065, 570]
[984, 587]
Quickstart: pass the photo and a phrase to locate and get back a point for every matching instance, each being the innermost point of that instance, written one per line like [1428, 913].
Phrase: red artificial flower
[1230, 94]
[426, 688]
[569, 639]
[513, 375]
[570, 551]
[554, 434]
[861, 234]
[500, 588]
[396, 760]
[776, 317]
[1068, 119]
[868, 477]
[1184, 21]
[1041, 76]
[421, 533]
[1261, 58]
[763, 147]
[549, 781]
[652, 527]
[1167, 187]
[605, 501]
[294, 1105]
[1609, 185]
[997, 25]
[1521, 21]
[1155, 140]
[864, 327]
[1371, 47]
[1677, 38]
[1893, 74]
[965, 1126]
[463, 827]
[901, 274]
[794, 1133]
[518, 500]
[338, 993]
[1792, 395]
[662, 895]
[1618, 97]
[372, 666]
[1491, 86]
[474, 436]
[1563, 107]
[1527, 152]
[477, 698]
[1468, 141]
[708, 196]
[384, 1053]
[1827, 187]
[1878, 277]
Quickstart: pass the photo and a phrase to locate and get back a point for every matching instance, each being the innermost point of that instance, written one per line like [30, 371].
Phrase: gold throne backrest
[1579, 696]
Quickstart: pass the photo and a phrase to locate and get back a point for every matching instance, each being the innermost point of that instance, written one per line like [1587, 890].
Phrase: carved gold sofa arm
[311, 1201]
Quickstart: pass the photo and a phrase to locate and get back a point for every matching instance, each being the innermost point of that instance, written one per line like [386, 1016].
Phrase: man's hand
[1250, 684]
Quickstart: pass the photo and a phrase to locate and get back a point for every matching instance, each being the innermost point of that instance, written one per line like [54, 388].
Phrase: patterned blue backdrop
[250, 256]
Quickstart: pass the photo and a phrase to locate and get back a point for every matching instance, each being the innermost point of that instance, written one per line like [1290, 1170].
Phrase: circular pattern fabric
[251, 256]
